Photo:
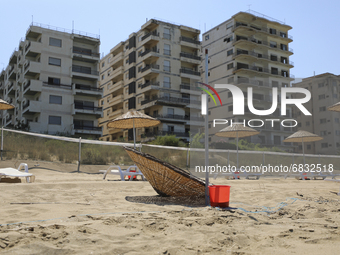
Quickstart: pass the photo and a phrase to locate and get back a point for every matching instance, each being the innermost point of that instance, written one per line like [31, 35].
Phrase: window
[166, 66]
[283, 35]
[230, 108]
[277, 140]
[323, 133]
[322, 121]
[284, 47]
[139, 68]
[322, 96]
[230, 52]
[227, 39]
[336, 120]
[103, 76]
[167, 50]
[54, 61]
[55, 42]
[166, 33]
[322, 109]
[140, 100]
[103, 64]
[309, 147]
[54, 120]
[320, 85]
[273, 44]
[102, 102]
[230, 94]
[273, 57]
[171, 129]
[127, 61]
[324, 145]
[272, 31]
[53, 81]
[55, 99]
[166, 82]
[337, 132]
[171, 112]
[230, 66]
[207, 37]
[335, 96]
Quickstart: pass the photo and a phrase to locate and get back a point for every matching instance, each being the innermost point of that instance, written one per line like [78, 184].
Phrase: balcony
[87, 90]
[116, 100]
[116, 113]
[189, 89]
[55, 85]
[246, 55]
[31, 107]
[114, 87]
[191, 58]
[151, 36]
[32, 67]
[170, 101]
[273, 32]
[116, 72]
[83, 52]
[150, 85]
[189, 42]
[151, 54]
[85, 72]
[166, 132]
[90, 130]
[147, 67]
[32, 87]
[84, 109]
[172, 117]
[243, 41]
[33, 48]
[189, 73]
[117, 58]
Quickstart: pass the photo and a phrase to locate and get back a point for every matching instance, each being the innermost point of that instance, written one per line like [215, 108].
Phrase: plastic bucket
[219, 195]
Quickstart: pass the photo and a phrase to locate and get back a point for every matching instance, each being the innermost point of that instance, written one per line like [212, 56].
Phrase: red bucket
[219, 195]
[134, 177]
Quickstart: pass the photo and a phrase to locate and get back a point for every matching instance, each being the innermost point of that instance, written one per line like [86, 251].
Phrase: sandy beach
[65, 212]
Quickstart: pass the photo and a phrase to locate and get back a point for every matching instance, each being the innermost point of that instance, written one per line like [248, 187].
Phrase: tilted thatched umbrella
[5, 105]
[334, 107]
[302, 136]
[237, 131]
[133, 119]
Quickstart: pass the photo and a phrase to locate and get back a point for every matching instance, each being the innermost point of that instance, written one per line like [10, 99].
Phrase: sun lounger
[132, 172]
[310, 175]
[12, 172]
[332, 180]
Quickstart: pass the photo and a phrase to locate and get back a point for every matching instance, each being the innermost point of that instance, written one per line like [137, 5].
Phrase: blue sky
[315, 23]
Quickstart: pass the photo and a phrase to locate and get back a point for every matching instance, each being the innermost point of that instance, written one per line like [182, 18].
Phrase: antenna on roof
[72, 26]
[32, 19]
[249, 7]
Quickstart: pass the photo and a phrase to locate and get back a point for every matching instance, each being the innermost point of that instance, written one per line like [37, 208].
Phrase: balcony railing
[27, 46]
[10, 86]
[147, 67]
[189, 71]
[85, 107]
[27, 104]
[188, 87]
[149, 84]
[148, 51]
[260, 42]
[86, 52]
[63, 86]
[265, 29]
[27, 85]
[171, 100]
[189, 40]
[87, 87]
[188, 55]
[154, 33]
[82, 127]
[164, 132]
[178, 117]
[84, 69]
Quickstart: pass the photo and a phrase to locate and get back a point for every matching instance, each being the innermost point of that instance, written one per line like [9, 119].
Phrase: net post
[79, 155]
[2, 140]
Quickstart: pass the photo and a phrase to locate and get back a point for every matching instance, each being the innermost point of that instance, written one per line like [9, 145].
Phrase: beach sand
[65, 212]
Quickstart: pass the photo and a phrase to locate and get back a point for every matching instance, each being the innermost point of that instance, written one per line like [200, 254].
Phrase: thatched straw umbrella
[5, 105]
[334, 107]
[237, 131]
[133, 119]
[302, 136]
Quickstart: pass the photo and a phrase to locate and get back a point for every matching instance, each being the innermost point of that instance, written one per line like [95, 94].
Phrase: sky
[315, 32]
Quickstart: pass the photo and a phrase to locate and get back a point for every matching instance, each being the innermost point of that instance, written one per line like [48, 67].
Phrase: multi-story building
[325, 91]
[250, 50]
[52, 79]
[155, 71]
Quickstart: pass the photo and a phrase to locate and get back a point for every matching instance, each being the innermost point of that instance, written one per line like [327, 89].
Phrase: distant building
[325, 91]
[52, 79]
[250, 50]
[155, 71]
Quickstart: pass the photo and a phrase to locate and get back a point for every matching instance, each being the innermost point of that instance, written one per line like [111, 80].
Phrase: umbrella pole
[237, 150]
[304, 160]
[134, 134]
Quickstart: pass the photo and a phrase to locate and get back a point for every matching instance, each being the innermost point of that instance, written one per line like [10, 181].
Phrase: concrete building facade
[52, 79]
[155, 71]
[325, 91]
[250, 50]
